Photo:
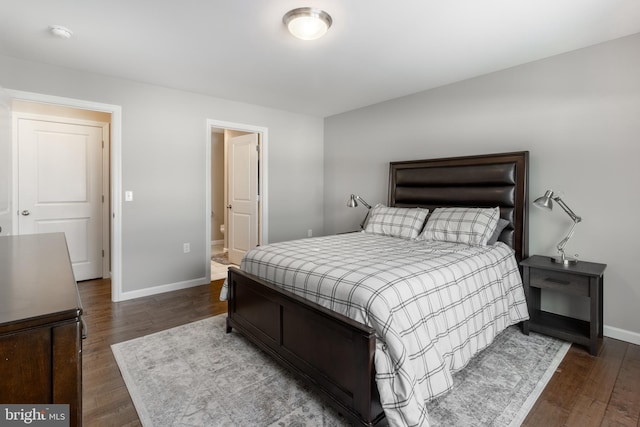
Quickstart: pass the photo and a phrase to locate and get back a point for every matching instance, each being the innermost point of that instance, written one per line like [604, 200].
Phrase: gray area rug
[198, 375]
[220, 257]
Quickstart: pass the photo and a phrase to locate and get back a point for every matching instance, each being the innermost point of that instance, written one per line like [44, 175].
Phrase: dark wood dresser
[40, 324]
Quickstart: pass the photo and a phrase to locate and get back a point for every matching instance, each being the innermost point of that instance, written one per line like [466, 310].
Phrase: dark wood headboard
[475, 181]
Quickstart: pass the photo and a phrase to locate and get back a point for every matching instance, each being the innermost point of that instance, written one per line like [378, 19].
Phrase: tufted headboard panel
[474, 181]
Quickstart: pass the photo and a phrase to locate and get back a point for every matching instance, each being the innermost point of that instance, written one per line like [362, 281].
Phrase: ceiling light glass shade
[307, 23]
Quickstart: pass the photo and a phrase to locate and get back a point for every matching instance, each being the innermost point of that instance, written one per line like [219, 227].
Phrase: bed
[334, 350]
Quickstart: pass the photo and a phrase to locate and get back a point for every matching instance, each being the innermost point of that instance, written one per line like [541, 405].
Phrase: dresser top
[36, 281]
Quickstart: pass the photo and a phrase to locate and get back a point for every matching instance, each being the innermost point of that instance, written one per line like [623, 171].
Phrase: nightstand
[584, 279]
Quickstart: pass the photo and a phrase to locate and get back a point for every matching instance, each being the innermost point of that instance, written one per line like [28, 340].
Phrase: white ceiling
[239, 49]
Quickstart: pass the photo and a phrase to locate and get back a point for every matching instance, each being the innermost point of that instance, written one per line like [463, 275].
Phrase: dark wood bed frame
[334, 354]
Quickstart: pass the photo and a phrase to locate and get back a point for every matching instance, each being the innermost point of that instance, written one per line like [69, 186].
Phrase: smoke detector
[60, 31]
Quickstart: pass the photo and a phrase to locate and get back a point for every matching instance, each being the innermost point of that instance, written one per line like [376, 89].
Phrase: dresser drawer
[556, 280]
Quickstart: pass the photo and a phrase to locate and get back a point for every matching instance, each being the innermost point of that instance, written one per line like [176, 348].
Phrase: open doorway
[113, 171]
[236, 192]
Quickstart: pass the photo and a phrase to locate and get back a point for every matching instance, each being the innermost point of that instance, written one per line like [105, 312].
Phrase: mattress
[433, 305]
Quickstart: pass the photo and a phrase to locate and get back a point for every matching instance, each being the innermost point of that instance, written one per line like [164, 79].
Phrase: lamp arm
[564, 241]
[575, 218]
[367, 205]
[364, 221]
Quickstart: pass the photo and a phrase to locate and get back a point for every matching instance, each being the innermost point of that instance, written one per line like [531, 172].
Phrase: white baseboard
[217, 242]
[622, 334]
[164, 288]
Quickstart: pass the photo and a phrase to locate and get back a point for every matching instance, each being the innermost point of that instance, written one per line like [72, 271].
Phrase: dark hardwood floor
[584, 391]
[592, 391]
[106, 401]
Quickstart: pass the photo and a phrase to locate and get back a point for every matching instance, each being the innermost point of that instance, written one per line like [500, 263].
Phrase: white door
[243, 195]
[60, 187]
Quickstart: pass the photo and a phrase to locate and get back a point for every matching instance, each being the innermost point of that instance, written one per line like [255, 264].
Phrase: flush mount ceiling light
[60, 31]
[307, 23]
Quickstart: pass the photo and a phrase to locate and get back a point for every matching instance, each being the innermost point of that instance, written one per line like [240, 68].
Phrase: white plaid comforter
[433, 305]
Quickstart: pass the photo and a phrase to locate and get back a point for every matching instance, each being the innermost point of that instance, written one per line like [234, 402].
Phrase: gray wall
[576, 113]
[163, 161]
[579, 116]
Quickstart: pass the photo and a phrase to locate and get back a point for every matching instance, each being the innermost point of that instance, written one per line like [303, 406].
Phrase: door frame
[263, 217]
[104, 160]
[115, 175]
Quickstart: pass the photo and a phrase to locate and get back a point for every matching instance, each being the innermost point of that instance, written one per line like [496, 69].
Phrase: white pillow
[405, 223]
[472, 226]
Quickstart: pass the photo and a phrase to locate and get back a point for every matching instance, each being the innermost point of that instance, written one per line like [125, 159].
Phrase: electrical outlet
[309, 233]
[186, 248]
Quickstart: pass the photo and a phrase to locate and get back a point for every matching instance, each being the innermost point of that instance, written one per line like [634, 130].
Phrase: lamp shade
[545, 202]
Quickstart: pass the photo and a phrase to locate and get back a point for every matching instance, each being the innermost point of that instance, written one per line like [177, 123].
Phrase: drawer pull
[558, 281]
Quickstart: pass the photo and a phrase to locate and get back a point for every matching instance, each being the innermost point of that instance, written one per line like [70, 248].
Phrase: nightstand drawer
[563, 282]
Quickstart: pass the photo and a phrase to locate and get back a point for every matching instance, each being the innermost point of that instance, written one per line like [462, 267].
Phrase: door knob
[228, 206]
[25, 212]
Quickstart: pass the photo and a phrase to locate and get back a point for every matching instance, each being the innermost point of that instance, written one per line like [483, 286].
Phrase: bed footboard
[329, 351]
